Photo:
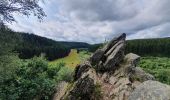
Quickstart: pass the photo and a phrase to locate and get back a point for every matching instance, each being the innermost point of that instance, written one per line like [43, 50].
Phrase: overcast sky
[95, 21]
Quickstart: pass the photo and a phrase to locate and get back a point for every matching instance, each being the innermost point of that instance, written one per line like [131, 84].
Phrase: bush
[33, 79]
[65, 74]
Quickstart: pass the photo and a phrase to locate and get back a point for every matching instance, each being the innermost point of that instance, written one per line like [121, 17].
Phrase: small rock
[132, 59]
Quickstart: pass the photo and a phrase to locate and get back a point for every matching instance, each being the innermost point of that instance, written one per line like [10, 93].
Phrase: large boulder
[109, 56]
[132, 70]
[151, 90]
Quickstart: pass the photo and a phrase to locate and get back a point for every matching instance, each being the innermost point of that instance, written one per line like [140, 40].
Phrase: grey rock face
[61, 89]
[80, 69]
[97, 56]
[111, 55]
[83, 89]
[132, 59]
[151, 90]
[142, 75]
[136, 73]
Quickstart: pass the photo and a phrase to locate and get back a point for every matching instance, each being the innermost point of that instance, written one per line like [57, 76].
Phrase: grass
[158, 67]
[72, 59]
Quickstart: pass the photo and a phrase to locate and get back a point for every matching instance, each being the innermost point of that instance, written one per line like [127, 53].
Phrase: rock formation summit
[109, 74]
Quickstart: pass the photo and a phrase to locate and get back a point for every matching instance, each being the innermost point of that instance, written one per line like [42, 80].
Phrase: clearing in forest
[71, 60]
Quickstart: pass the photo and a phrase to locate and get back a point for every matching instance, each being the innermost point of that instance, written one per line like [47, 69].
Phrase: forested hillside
[150, 47]
[159, 47]
[30, 45]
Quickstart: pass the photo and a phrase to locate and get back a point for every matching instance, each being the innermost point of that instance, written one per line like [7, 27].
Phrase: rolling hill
[30, 45]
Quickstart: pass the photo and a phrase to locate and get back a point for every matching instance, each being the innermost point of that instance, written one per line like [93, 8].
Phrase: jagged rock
[115, 57]
[97, 56]
[81, 69]
[83, 89]
[61, 89]
[112, 54]
[151, 90]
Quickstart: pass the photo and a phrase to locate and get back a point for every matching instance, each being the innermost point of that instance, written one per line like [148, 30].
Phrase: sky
[95, 21]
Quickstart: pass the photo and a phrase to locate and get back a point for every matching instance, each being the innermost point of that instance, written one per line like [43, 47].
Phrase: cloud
[101, 10]
[153, 32]
[93, 21]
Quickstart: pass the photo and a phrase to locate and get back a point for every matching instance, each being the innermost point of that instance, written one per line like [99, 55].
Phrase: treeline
[149, 47]
[159, 47]
[94, 47]
[33, 45]
[30, 45]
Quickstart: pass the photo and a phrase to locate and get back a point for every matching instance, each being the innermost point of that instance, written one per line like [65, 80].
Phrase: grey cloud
[102, 10]
[153, 32]
[153, 12]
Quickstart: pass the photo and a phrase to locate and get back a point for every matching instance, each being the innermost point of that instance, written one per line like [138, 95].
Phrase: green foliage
[159, 67]
[8, 40]
[84, 55]
[94, 47]
[29, 80]
[65, 74]
[32, 79]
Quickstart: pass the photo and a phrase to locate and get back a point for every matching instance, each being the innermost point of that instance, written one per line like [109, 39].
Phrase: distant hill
[30, 45]
[145, 47]
[150, 47]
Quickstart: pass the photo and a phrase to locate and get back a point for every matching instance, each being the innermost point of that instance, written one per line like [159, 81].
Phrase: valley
[24, 56]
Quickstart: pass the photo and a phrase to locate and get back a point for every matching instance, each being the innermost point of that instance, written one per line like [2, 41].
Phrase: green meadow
[157, 66]
[74, 58]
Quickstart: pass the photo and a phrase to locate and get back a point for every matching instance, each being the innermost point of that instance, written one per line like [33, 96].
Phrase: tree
[24, 7]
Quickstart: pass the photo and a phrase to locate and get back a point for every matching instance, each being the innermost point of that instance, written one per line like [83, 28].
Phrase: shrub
[33, 79]
[65, 74]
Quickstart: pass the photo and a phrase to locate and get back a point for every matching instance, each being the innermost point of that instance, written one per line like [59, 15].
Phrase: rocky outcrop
[110, 56]
[109, 75]
[151, 90]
